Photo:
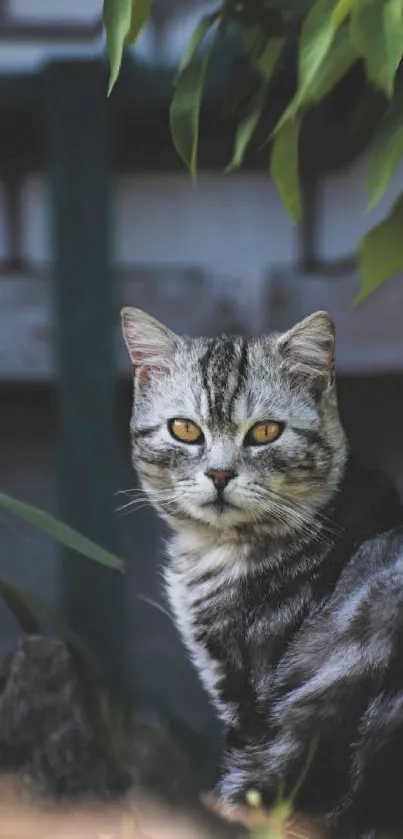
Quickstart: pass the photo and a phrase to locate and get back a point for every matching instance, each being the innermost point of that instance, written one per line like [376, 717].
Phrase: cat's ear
[150, 344]
[308, 349]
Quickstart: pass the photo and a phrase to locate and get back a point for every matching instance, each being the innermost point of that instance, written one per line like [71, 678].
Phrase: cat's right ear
[308, 349]
[150, 344]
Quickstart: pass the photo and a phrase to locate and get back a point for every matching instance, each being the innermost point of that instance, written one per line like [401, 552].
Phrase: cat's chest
[232, 629]
[203, 589]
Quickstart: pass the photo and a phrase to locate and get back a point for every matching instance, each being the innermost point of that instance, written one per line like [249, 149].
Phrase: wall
[237, 229]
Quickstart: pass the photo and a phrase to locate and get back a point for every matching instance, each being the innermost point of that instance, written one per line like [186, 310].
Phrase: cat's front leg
[240, 773]
[244, 767]
[269, 764]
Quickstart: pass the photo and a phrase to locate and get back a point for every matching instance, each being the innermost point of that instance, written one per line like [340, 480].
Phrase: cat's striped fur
[287, 586]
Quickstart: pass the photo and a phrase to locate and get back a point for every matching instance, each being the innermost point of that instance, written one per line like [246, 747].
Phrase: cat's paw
[232, 787]
[243, 770]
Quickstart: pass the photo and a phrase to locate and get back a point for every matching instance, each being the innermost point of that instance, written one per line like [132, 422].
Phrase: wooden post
[84, 321]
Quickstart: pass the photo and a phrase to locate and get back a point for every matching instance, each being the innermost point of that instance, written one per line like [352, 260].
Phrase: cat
[285, 564]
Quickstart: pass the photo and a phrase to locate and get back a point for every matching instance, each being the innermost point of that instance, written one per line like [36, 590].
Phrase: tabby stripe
[204, 367]
[242, 368]
[139, 433]
[309, 434]
[315, 439]
[160, 459]
[221, 366]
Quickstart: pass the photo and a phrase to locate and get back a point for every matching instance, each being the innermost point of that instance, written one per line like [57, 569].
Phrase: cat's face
[236, 433]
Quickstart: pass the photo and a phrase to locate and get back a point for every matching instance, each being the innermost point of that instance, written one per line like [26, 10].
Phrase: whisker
[291, 512]
[156, 605]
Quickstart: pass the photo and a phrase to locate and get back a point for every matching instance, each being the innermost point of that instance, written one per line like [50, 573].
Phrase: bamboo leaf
[62, 533]
[266, 64]
[196, 41]
[253, 40]
[337, 62]
[393, 30]
[116, 17]
[140, 12]
[316, 38]
[284, 167]
[386, 152]
[266, 61]
[288, 115]
[187, 98]
[380, 252]
[247, 126]
[341, 11]
[376, 31]
[124, 21]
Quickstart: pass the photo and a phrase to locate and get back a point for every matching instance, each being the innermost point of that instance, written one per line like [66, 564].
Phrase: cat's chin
[223, 517]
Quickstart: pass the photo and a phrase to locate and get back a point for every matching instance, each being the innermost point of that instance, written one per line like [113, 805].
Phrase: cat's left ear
[150, 344]
[308, 349]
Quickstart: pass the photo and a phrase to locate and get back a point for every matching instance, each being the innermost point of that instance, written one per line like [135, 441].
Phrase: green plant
[25, 605]
[331, 36]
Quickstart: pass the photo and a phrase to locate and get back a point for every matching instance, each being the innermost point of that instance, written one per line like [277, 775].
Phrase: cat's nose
[221, 477]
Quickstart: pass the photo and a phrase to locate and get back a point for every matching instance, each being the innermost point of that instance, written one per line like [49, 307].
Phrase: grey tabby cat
[285, 570]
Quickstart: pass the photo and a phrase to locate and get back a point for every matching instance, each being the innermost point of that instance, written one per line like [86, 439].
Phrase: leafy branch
[333, 36]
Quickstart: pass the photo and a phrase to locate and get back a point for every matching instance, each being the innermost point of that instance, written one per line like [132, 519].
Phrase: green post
[84, 322]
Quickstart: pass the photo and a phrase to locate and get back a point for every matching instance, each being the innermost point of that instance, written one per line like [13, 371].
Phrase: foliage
[25, 605]
[333, 35]
[123, 21]
[60, 532]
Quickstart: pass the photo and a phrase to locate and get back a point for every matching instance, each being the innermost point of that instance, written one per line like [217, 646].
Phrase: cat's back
[368, 601]
[359, 629]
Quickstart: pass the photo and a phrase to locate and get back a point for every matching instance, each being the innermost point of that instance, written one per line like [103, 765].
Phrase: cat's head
[235, 433]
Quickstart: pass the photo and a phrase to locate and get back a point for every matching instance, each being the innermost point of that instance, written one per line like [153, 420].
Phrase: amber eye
[262, 433]
[185, 430]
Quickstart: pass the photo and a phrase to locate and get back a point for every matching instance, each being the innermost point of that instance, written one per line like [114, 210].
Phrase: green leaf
[266, 64]
[316, 38]
[247, 126]
[341, 11]
[116, 17]
[380, 252]
[253, 40]
[376, 30]
[139, 16]
[123, 22]
[60, 532]
[187, 98]
[337, 62]
[18, 606]
[196, 41]
[393, 29]
[290, 113]
[386, 152]
[267, 60]
[284, 167]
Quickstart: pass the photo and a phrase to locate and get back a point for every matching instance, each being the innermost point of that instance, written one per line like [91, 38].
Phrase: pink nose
[220, 478]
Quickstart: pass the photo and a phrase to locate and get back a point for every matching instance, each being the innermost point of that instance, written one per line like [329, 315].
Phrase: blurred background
[97, 212]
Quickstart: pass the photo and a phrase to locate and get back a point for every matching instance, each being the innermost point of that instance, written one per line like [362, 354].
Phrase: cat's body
[279, 654]
[286, 564]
